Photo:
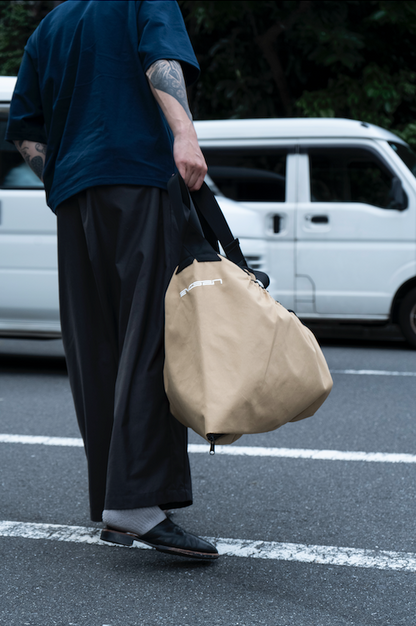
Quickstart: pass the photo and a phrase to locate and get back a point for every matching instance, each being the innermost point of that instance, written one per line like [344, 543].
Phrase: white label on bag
[200, 283]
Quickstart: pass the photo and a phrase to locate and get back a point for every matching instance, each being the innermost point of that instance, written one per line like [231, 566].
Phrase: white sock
[138, 521]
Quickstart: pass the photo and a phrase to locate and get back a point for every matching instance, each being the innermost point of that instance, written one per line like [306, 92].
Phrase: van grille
[256, 262]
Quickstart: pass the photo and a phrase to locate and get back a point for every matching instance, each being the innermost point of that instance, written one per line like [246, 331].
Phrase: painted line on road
[373, 373]
[258, 451]
[273, 550]
[44, 441]
[300, 453]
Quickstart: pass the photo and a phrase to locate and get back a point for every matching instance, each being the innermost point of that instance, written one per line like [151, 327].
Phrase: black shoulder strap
[208, 207]
[206, 204]
[194, 242]
[209, 211]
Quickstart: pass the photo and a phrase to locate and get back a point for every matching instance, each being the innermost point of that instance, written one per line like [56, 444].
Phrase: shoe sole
[127, 539]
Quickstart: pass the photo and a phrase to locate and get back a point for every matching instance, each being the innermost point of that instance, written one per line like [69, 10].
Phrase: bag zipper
[212, 439]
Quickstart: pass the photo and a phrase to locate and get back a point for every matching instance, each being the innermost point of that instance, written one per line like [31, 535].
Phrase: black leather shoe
[166, 537]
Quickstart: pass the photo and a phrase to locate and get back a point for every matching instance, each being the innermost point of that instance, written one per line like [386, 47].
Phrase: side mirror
[398, 196]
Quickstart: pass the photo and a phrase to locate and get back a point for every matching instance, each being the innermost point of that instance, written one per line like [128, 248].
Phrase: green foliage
[18, 20]
[266, 58]
[15, 28]
[326, 59]
[408, 133]
[375, 97]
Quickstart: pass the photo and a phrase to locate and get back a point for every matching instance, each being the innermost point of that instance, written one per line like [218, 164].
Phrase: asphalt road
[351, 511]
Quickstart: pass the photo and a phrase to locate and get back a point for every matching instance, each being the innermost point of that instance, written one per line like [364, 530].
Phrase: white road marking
[373, 373]
[302, 553]
[195, 448]
[45, 441]
[324, 555]
[300, 453]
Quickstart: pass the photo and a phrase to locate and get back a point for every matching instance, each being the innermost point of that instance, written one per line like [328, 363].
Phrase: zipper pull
[211, 438]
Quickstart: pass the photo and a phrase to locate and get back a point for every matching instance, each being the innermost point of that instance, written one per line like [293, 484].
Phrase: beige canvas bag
[237, 362]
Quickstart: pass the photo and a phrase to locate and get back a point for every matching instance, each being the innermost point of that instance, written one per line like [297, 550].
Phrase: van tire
[407, 317]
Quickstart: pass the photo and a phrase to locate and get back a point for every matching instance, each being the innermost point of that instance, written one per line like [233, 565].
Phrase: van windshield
[406, 154]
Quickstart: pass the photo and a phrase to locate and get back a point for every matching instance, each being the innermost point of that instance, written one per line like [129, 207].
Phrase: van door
[29, 303]
[263, 178]
[352, 236]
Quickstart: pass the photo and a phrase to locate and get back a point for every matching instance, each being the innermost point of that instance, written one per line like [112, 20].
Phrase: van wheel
[407, 317]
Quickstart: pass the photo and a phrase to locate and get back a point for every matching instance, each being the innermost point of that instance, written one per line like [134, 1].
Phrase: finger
[189, 173]
[197, 175]
[183, 171]
[193, 177]
[198, 183]
[196, 178]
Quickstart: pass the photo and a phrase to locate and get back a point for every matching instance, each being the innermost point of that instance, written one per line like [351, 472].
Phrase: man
[100, 113]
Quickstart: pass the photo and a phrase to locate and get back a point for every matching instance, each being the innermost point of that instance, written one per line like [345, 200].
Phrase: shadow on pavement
[48, 354]
[41, 355]
[360, 336]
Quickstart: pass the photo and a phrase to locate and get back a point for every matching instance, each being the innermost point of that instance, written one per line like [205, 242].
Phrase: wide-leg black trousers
[116, 253]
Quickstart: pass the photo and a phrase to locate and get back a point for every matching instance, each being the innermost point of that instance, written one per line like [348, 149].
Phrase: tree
[18, 20]
[265, 58]
[322, 58]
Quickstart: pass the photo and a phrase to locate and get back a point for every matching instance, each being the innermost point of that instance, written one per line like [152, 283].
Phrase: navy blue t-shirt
[82, 90]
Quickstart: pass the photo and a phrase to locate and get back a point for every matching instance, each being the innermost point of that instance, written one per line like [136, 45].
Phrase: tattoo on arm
[34, 154]
[37, 165]
[167, 76]
[40, 147]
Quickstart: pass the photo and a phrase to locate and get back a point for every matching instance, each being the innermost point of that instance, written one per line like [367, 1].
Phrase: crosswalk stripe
[301, 553]
[256, 451]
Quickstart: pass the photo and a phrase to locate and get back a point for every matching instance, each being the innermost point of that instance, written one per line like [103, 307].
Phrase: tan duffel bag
[237, 362]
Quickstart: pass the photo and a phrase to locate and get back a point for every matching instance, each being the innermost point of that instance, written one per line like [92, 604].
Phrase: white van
[338, 203]
[327, 207]
[29, 303]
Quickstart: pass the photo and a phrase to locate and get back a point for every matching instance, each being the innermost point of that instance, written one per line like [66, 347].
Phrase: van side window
[248, 174]
[14, 172]
[350, 175]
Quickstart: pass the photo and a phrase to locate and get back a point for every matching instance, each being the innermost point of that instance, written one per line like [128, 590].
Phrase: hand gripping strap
[194, 243]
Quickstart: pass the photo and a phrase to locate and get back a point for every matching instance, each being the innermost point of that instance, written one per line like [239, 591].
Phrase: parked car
[327, 207]
[29, 303]
[338, 203]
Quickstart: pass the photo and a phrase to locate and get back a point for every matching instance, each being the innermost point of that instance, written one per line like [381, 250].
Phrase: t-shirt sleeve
[26, 119]
[162, 35]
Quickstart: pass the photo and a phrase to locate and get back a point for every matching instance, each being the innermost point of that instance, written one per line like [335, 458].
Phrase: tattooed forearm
[167, 76]
[34, 153]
